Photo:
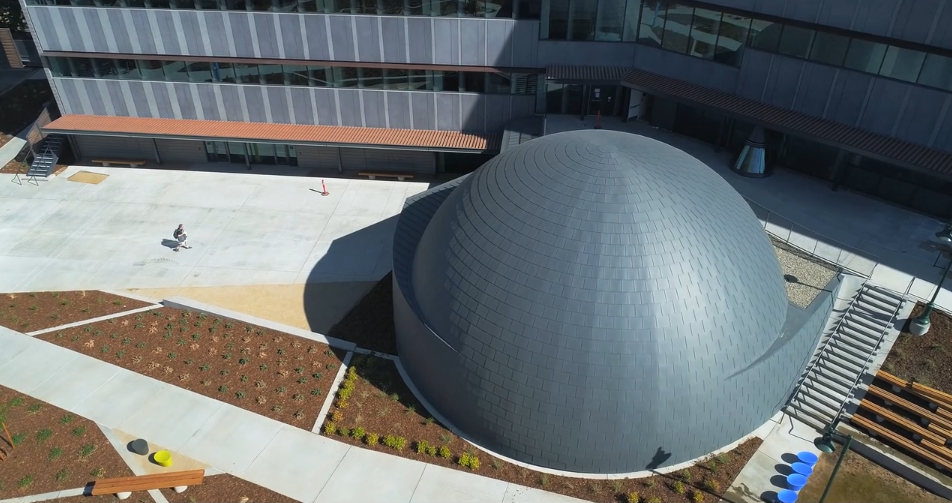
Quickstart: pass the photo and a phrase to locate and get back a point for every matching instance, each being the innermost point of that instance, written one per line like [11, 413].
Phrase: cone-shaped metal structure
[752, 160]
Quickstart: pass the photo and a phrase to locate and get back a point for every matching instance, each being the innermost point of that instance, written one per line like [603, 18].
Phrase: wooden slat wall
[10, 48]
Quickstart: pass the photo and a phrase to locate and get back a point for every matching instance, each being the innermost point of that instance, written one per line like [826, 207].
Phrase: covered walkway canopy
[297, 134]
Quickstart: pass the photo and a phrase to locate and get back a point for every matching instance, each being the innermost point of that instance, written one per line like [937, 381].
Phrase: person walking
[181, 237]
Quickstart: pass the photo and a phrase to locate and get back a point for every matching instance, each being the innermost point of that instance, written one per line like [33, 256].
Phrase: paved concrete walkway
[10, 150]
[288, 460]
[894, 246]
[244, 229]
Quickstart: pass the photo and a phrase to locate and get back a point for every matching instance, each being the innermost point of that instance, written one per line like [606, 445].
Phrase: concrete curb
[193, 305]
[339, 378]
[133, 296]
[65, 493]
[92, 320]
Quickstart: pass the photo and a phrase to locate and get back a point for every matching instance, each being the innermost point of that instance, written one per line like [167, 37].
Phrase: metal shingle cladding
[592, 301]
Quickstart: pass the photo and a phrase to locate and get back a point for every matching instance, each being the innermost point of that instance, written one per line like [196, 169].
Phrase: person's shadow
[170, 243]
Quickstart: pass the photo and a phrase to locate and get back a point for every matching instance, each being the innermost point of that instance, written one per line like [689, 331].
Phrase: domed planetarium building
[594, 302]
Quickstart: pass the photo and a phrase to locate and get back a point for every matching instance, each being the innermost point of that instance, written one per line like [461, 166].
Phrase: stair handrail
[819, 351]
[882, 335]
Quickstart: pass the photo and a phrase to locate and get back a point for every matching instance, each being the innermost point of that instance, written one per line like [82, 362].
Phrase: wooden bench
[123, 487]
[901, 441]
[932, 417]
[943, 400]
[399, 176]
[110, 162]
[905, 423]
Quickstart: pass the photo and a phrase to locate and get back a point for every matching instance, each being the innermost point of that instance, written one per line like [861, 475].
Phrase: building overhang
[576, 74]
[851, 139]
[291, 134]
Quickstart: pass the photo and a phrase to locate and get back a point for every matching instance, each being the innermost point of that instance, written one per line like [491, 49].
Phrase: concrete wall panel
[423, 109]
[884, 106]
[342, 37]
[215, 22]
[291, 37]
[231, 99]
[315, 34]
[393, 31]
[326, 100]
[472, 36]
[398, 109]
[923, 110]
[556, 52]
[368, 38]
[420, 39]
[241, 32]
[374, 107]
[815, 87]
[914, 21]
[349, 102]
[446, 31]
[848, 96]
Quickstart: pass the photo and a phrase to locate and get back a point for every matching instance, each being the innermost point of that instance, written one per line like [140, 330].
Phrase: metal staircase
[45, 161]
[843, 356]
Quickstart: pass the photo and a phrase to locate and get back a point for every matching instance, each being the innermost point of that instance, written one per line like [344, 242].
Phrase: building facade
[857, 92]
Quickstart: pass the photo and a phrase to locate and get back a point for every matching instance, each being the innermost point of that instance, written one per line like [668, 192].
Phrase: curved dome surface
[599, 302]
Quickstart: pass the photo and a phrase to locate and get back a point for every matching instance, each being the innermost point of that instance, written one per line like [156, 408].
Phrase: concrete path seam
[93, 320]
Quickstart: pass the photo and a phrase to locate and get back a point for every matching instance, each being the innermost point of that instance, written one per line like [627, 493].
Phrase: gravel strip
[811, 274]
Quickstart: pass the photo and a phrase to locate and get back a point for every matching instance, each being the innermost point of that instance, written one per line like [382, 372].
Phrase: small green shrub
[445, 452]
[543, 480]
[712, 486]
[302, 380]
[87, 450]
[98, 472]
[16, 402]
[395, 442]
[344, 432]
[317, 392]
[242, 361]
[431, 450]
[685, 476]
[697, 496]
[172, 356]
[372, 439]
[25, 482]
[120, 354]
[204, 367]
[330, 428]
[80, 431]
[243, 378]
[34, 408]
[470, 461]
[239, 395]
[678, 487]
[653, 499]
[422, 446]
[632, 497]
[317, 375]
[55, 453]
[222, 388]
[428, 421]
[223, 372]
[44, 435]
[262, 367]
[330, 366]
[18, 439]
[62, 475]
[68, 418]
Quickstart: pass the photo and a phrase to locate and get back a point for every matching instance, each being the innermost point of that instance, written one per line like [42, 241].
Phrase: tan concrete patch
[88, 177]
[313, 306]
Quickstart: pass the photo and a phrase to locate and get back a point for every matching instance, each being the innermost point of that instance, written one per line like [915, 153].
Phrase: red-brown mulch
[4, 139]
[226, 488]
[369, 324]
[380, 403]
[926, 359]
[271, 373]
[55, 449]
[137, 497]
[29, 312]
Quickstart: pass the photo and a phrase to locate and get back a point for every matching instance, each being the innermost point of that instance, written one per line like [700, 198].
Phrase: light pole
[921, 324]
[826, 445]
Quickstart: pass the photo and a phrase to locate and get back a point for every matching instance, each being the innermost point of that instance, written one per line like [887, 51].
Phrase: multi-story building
[858, 92]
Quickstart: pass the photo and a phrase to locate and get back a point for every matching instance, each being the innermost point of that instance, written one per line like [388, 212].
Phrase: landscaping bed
[926, 359]
[54, 449]
[369, 324]
[137, 497]
[374, 409]
[226, 488]
[860, 479]
[29, 312]
[4, 139]
[271, 373]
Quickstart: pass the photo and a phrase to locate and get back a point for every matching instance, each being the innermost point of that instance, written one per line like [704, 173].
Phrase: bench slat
[904, 442]
[898, 420]
[146, 482]
[399, 176]
[911, 407]
[931, 394]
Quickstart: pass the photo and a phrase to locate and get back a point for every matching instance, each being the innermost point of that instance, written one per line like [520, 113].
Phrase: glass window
[937, 72]
[174, 71]
[199, 71]
[829, 48]
[370, 78]
[865, 56]
[337, 6]
[234, 4]
[523, 83]
[582, 20]
[82, 68]
[246, 73]
[346, 77]
[206, 4]
[631, 21]
[417, 80]
[150, 69]
[795, 41]
[499, 83]
[320, 76]
[609, 20]
[132, 3]
[126, 69]
[271, 75]
[765, 35]
[309, 6]
[259, 5]
[182, 4]
[558, 22]
[704, 30]
[444, 8]
[81, 3]
[471, 8]
[473, 82]
[59, 67]
[394, 7]
[677, 27]
[223, 72]
[284, 5]
[418, 8]
[652, 24]
[731, 39]
[444, 81]
[902, 64]
[365, 7]
[395, 79]
[104, 69]
[296, 75]
[529, 9]
[158, 4]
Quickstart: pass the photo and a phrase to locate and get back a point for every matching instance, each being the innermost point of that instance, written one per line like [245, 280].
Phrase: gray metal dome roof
[595, 301]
